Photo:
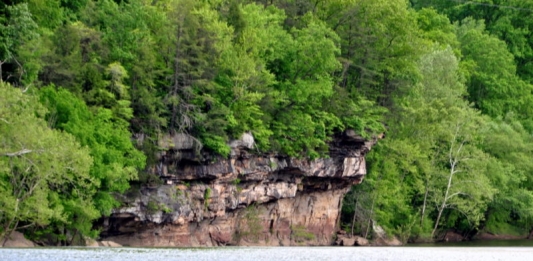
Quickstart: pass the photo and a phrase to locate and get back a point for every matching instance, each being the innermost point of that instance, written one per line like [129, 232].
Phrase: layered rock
[247, 199]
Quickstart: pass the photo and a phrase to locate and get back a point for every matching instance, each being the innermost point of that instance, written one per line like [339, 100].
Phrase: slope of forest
[89, 87]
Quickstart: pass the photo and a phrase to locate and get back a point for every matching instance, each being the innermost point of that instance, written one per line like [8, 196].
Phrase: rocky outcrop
[380, 237]
[94, 243]
[17, 239]
[247, 199]
[346, 240]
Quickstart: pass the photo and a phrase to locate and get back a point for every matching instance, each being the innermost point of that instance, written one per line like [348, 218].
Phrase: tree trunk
[453, 161]
[370, 216]
[354, 213]
[7, 228]
[444, 200]
[173, 121]
[424, 204]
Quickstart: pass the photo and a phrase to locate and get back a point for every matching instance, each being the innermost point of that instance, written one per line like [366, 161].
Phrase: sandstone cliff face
[244, 200]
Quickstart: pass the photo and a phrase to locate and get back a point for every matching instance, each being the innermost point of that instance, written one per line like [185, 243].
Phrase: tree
[73, 60]
[15, 32]
[511, 211]
[379, 47]
[48, 14]
[466, 187]
[130, 30]
[116, 160]
[493, 84]
[304, 81]
[437, 28]
[39, 167]
[509, 21]
[432, 156]
[245, 78]
[457, 162]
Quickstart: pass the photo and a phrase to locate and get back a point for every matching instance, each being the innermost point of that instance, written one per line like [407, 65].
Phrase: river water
[271, 253]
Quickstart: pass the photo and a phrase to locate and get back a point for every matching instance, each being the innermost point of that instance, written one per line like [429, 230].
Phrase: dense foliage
[449, 81]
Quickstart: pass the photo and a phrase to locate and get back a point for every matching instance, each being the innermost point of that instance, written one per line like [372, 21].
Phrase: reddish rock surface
[244, 200]
[17, 239]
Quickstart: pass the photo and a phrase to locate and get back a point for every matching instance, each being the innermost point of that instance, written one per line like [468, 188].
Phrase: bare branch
[18, 153]
[25, 226]
[21, 69]
[456, 194]
[27, 87]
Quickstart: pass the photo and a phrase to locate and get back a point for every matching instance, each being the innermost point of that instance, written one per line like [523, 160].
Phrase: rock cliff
[247, 199]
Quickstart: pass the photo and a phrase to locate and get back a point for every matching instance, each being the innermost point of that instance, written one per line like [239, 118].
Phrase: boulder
[381, 237]
[361, 241]
[452, 236]
[348, 241]
[178, 141]
[17, 239]
[89, 242]
[246, 141]
[344, 240]
[109, 244]
[393, 241]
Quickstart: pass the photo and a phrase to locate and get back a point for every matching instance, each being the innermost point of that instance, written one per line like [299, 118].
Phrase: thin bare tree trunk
[1, 76]
[443, 205]
[370, 216]
[425, 202]
[176, 76]
[453, 159]
[7, 228]
[354, 213]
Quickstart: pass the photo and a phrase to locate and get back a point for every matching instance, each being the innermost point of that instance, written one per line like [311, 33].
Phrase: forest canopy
[450, 82]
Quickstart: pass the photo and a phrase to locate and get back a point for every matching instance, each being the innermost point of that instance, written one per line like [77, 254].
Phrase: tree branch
[27, 87]
[18, 153]
[456, 194]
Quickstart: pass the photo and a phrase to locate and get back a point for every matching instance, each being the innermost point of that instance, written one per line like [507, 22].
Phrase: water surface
[271, 253]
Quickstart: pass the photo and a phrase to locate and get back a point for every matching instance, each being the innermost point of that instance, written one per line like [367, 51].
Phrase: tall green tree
[507, 141]
[379, 43]
[116, 160]
[42, 171]
[433, 154]
[509, 20]
[17, 29]
[493, 84]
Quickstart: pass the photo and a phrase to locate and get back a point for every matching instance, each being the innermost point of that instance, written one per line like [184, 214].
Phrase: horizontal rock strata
[246, 199]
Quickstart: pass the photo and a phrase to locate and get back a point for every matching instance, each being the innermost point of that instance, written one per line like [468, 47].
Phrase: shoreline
[453, 239]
